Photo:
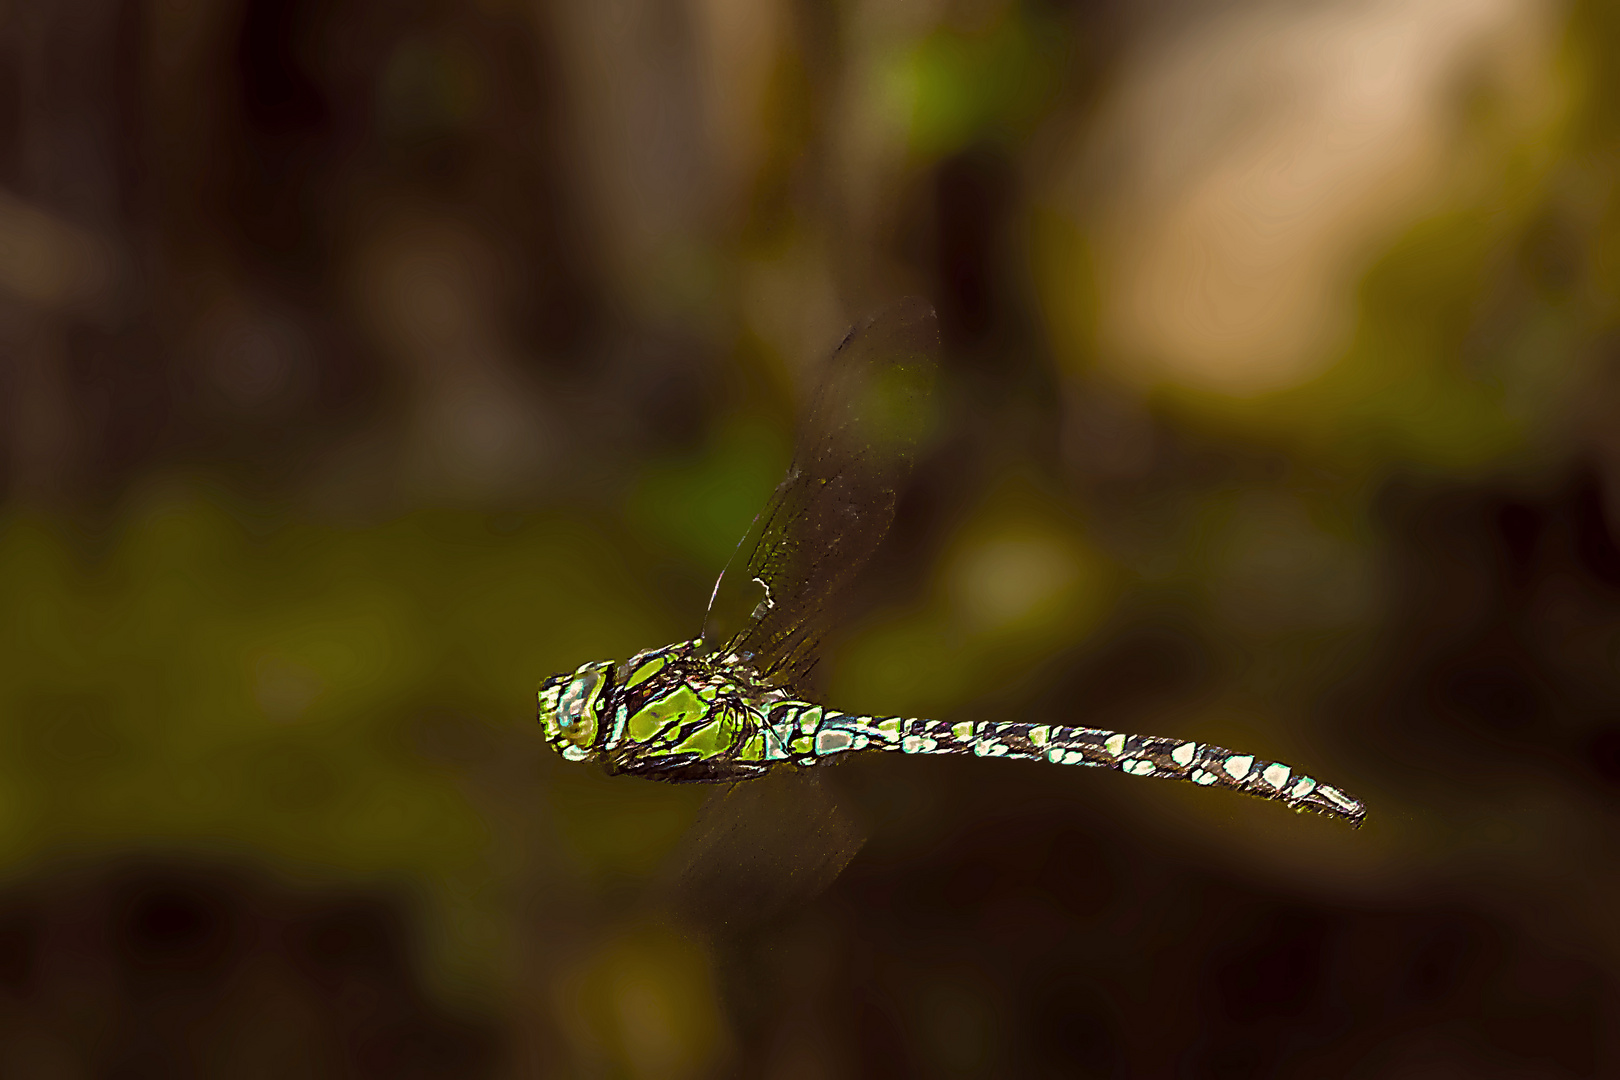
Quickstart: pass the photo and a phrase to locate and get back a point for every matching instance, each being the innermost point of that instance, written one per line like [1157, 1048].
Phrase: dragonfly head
[569, 705]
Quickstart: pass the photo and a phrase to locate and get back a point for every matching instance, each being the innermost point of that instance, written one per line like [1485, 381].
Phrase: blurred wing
[829, 514]
[759, 848]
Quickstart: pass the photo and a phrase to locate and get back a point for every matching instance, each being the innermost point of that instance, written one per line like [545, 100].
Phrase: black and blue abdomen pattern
[1204, 764]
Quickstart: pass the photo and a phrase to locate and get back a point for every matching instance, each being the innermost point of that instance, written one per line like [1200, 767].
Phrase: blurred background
[364, 363]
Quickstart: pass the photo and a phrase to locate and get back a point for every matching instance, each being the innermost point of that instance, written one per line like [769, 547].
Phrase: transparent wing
[759, 848]
[832, 509]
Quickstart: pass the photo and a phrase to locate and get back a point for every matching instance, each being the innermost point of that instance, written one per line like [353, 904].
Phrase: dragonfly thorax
[677, 712]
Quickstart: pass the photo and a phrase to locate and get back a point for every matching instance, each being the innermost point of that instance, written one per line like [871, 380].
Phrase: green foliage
[202, 680]
[698, 506]
[960, 88]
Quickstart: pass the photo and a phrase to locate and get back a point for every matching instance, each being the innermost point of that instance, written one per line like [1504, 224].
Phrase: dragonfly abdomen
[1204, 764]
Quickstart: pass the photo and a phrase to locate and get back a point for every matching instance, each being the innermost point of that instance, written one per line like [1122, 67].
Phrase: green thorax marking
[676, 706]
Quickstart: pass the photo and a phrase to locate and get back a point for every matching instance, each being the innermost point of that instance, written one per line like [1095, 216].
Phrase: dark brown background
[363, 363]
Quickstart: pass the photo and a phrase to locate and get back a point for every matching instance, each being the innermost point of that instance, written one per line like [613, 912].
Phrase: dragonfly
[730, 706]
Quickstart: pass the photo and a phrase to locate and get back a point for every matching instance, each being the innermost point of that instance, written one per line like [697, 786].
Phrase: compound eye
[574, 717]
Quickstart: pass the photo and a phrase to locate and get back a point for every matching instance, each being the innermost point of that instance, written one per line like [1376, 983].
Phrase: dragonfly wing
[759, 848]
[831, 511]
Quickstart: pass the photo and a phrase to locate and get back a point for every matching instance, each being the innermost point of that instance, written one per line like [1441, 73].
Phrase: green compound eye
[568, 709]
